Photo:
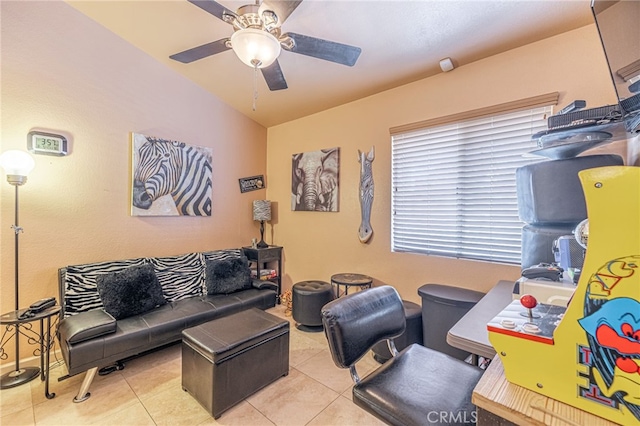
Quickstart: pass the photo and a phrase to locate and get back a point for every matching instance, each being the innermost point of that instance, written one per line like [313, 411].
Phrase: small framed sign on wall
[252, 183]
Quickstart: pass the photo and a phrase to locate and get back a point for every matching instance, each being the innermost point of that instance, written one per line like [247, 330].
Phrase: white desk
[470, 332]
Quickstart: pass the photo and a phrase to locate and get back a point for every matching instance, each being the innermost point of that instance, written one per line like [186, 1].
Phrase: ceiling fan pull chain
[255, 86]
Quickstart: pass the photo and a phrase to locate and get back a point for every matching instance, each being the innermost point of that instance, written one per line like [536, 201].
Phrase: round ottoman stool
[412, 334]
[308, 298]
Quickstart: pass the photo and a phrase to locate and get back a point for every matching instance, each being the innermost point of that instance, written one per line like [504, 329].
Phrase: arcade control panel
[548, 292]
[527, 319]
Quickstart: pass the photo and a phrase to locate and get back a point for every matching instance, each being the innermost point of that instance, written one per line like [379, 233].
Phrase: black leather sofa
[196, 288]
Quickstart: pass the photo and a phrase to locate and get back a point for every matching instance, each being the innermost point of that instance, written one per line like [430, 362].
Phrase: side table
[12, 322]
[350, 280]
[264, 256]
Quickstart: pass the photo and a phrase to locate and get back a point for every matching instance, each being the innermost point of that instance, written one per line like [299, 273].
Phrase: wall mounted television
[618, 24]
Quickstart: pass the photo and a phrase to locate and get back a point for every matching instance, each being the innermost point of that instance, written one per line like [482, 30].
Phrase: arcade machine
[587, 354]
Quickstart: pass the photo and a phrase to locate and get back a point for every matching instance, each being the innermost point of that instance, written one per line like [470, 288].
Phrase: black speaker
[550, 193]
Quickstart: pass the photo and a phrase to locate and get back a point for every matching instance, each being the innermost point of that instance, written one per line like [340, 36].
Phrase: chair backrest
[354, 323]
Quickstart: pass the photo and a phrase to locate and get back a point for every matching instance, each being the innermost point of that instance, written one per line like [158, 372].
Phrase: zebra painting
[170, 178]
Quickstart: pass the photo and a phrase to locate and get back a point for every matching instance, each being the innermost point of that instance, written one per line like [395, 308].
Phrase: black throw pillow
[227, 276]
[132, 291]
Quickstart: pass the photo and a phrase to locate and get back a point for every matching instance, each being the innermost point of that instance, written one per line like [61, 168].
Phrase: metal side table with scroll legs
[11, 321]
[350, 280]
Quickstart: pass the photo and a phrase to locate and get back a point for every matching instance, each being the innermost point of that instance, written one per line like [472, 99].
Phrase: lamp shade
[262, 210]
[16, 163]
[256, 48]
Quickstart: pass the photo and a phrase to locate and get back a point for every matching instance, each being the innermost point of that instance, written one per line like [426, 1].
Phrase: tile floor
[149, 392]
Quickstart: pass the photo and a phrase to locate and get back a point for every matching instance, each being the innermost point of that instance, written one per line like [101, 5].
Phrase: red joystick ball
[528, 301]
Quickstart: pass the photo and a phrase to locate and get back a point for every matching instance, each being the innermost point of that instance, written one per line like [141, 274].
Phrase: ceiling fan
[257, 39]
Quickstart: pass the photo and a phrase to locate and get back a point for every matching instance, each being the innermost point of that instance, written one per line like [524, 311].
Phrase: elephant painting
[314, 180]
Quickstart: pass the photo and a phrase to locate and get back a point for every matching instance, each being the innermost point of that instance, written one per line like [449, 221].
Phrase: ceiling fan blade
[274, 77]
[216, 9]
[324, 49]
[282, 8]
[200, 52]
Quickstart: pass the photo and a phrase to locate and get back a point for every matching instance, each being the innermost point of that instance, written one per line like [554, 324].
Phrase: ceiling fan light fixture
[255, 47]
[269, 19]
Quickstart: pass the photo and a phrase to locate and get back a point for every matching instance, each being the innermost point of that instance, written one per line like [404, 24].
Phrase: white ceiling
[401, 41]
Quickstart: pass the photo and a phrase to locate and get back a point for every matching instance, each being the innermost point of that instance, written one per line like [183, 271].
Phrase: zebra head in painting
[174, 168]
[366, 194]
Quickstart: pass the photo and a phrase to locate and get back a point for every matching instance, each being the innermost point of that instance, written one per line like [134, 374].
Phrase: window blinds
[454, 191]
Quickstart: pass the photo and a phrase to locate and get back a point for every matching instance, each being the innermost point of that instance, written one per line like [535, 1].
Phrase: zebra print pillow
[80, 289]
[181, 276]
[223, 254]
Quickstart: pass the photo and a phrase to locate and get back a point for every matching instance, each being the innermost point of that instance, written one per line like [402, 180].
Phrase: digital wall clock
[47, 143]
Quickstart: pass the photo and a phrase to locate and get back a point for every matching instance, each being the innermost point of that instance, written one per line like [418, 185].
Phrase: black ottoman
[308, 298]
[227, 359]
[412, 334]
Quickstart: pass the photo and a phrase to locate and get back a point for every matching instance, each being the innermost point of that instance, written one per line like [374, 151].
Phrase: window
[453, 185]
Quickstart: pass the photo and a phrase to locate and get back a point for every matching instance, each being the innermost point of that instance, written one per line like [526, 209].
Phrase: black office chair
[417, 386]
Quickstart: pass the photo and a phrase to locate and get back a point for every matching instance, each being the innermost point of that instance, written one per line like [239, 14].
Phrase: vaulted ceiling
[401, 42]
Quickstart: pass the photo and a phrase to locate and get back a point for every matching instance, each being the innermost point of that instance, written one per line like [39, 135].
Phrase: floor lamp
[262, 212]
[17, 165]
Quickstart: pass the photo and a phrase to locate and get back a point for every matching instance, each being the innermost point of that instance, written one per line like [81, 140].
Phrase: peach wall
[62, 71]
[82, 79]
[317, 245]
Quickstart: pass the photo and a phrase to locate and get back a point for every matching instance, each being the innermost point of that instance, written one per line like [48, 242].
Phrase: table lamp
[262, 212]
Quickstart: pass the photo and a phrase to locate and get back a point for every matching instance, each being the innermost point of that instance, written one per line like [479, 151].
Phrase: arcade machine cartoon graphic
[588, 354]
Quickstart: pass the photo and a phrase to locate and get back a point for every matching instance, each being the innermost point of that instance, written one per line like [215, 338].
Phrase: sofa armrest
[86, 326]
[262, 284]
